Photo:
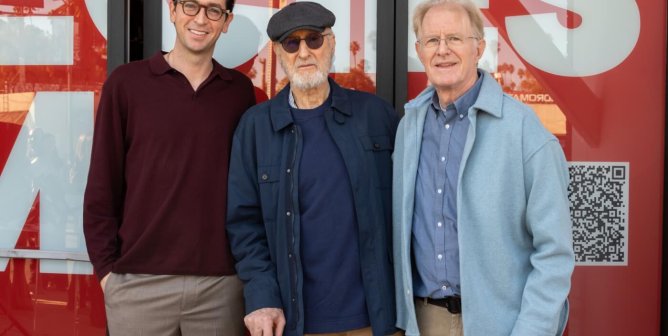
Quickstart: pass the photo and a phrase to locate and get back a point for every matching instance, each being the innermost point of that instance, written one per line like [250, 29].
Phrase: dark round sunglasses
[313, 41]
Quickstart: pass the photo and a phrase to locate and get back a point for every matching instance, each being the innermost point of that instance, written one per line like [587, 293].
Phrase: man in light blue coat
[482, 232]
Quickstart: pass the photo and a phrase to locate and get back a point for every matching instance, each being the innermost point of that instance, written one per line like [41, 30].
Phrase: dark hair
[229, 4]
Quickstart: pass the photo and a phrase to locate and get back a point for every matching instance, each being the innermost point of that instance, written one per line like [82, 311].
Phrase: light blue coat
[515, 237]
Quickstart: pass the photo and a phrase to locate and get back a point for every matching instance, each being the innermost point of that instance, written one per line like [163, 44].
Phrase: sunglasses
[313, 41]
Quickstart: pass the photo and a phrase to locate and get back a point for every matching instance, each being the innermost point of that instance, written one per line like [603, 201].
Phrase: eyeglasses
[213, 13]
[451, 41]
[313, 41]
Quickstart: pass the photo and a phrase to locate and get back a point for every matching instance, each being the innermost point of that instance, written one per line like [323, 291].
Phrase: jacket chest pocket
[379, 148]
[267, 179]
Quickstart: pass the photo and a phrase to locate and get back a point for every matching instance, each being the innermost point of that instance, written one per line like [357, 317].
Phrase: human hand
[265, 322]
[103, 282]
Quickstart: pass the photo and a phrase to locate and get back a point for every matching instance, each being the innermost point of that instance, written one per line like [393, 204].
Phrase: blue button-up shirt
[435, 245]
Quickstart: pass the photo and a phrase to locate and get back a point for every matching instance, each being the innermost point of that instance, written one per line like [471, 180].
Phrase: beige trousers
[437, 321]
[172, 305]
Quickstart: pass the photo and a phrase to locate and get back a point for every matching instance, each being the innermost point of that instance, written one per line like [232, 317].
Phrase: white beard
[307, 81]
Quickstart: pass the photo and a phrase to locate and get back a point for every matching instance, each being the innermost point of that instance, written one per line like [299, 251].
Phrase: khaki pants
[140, 304]
[357, 332]
[437, 321]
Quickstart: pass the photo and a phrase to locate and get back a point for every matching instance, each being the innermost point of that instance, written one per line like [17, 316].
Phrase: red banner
[24, 3]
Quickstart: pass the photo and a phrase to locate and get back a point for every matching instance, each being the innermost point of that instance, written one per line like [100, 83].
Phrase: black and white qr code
[599, 196]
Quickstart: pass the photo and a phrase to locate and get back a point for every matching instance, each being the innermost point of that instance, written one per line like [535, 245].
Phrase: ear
[480, 48]
[226, 24]
[172, 11]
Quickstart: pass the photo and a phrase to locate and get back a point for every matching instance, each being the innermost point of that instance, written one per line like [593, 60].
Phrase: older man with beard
[309, 195]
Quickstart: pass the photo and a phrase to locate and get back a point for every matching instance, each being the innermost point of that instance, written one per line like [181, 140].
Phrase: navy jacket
[263, 207]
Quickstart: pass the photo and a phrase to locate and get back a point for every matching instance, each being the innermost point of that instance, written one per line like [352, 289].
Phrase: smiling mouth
[198, 32]
[445, 65]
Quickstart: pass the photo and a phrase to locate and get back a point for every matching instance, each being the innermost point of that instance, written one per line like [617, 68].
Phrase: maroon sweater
[156, 196]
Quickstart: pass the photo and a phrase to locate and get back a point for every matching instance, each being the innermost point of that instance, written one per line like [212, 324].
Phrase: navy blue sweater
[333, 291]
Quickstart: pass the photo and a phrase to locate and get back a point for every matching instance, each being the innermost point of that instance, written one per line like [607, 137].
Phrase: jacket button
[265, 177]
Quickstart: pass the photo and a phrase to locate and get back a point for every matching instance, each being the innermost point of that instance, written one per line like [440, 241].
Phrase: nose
[442, 47]
[303, 49]
[201, 16]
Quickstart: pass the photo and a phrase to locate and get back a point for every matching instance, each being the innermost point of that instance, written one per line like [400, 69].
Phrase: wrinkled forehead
[446, 18]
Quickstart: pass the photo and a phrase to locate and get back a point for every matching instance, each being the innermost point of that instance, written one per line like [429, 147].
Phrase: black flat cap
[299, 15]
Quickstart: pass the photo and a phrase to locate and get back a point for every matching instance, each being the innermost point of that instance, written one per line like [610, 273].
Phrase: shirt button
[447, 126]
[290, 255]
[439, 191]
[265, 177]
[439, 224]
[444, 287]
[461, 116]
[440, 256]
[288, 171]
[442, 158]
[288, 213]
[376, 146]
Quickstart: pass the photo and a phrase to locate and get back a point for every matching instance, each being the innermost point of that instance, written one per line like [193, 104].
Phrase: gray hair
[471, 9]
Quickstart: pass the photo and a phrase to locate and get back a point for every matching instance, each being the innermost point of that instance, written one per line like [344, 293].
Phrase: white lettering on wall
[98, 12]
[607, 35]
[36, 40]
[597, 45]
[50, 156]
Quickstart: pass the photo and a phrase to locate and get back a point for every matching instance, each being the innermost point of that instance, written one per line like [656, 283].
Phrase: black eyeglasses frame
[311, 43]
[225, 12]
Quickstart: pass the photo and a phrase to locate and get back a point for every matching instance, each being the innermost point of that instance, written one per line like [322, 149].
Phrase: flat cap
[299, 15]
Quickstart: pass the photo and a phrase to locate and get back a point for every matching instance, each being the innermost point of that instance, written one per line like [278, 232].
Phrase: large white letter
[607, 35]
[51, 156]
[36, 40]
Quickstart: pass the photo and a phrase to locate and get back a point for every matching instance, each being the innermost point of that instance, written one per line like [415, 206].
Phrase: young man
[482, 231]
[309, 208]
[154, 207]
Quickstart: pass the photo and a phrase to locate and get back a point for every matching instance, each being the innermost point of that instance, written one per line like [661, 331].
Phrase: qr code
[599, 196]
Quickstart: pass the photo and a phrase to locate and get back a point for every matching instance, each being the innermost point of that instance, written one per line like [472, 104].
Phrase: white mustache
[300, 64]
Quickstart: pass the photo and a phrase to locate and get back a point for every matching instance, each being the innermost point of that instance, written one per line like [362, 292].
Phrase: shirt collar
[291, 100]
[293, 103]
[159, 66]
[464, 102]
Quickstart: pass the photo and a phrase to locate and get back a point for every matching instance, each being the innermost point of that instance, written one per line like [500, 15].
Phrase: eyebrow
[210, 4]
